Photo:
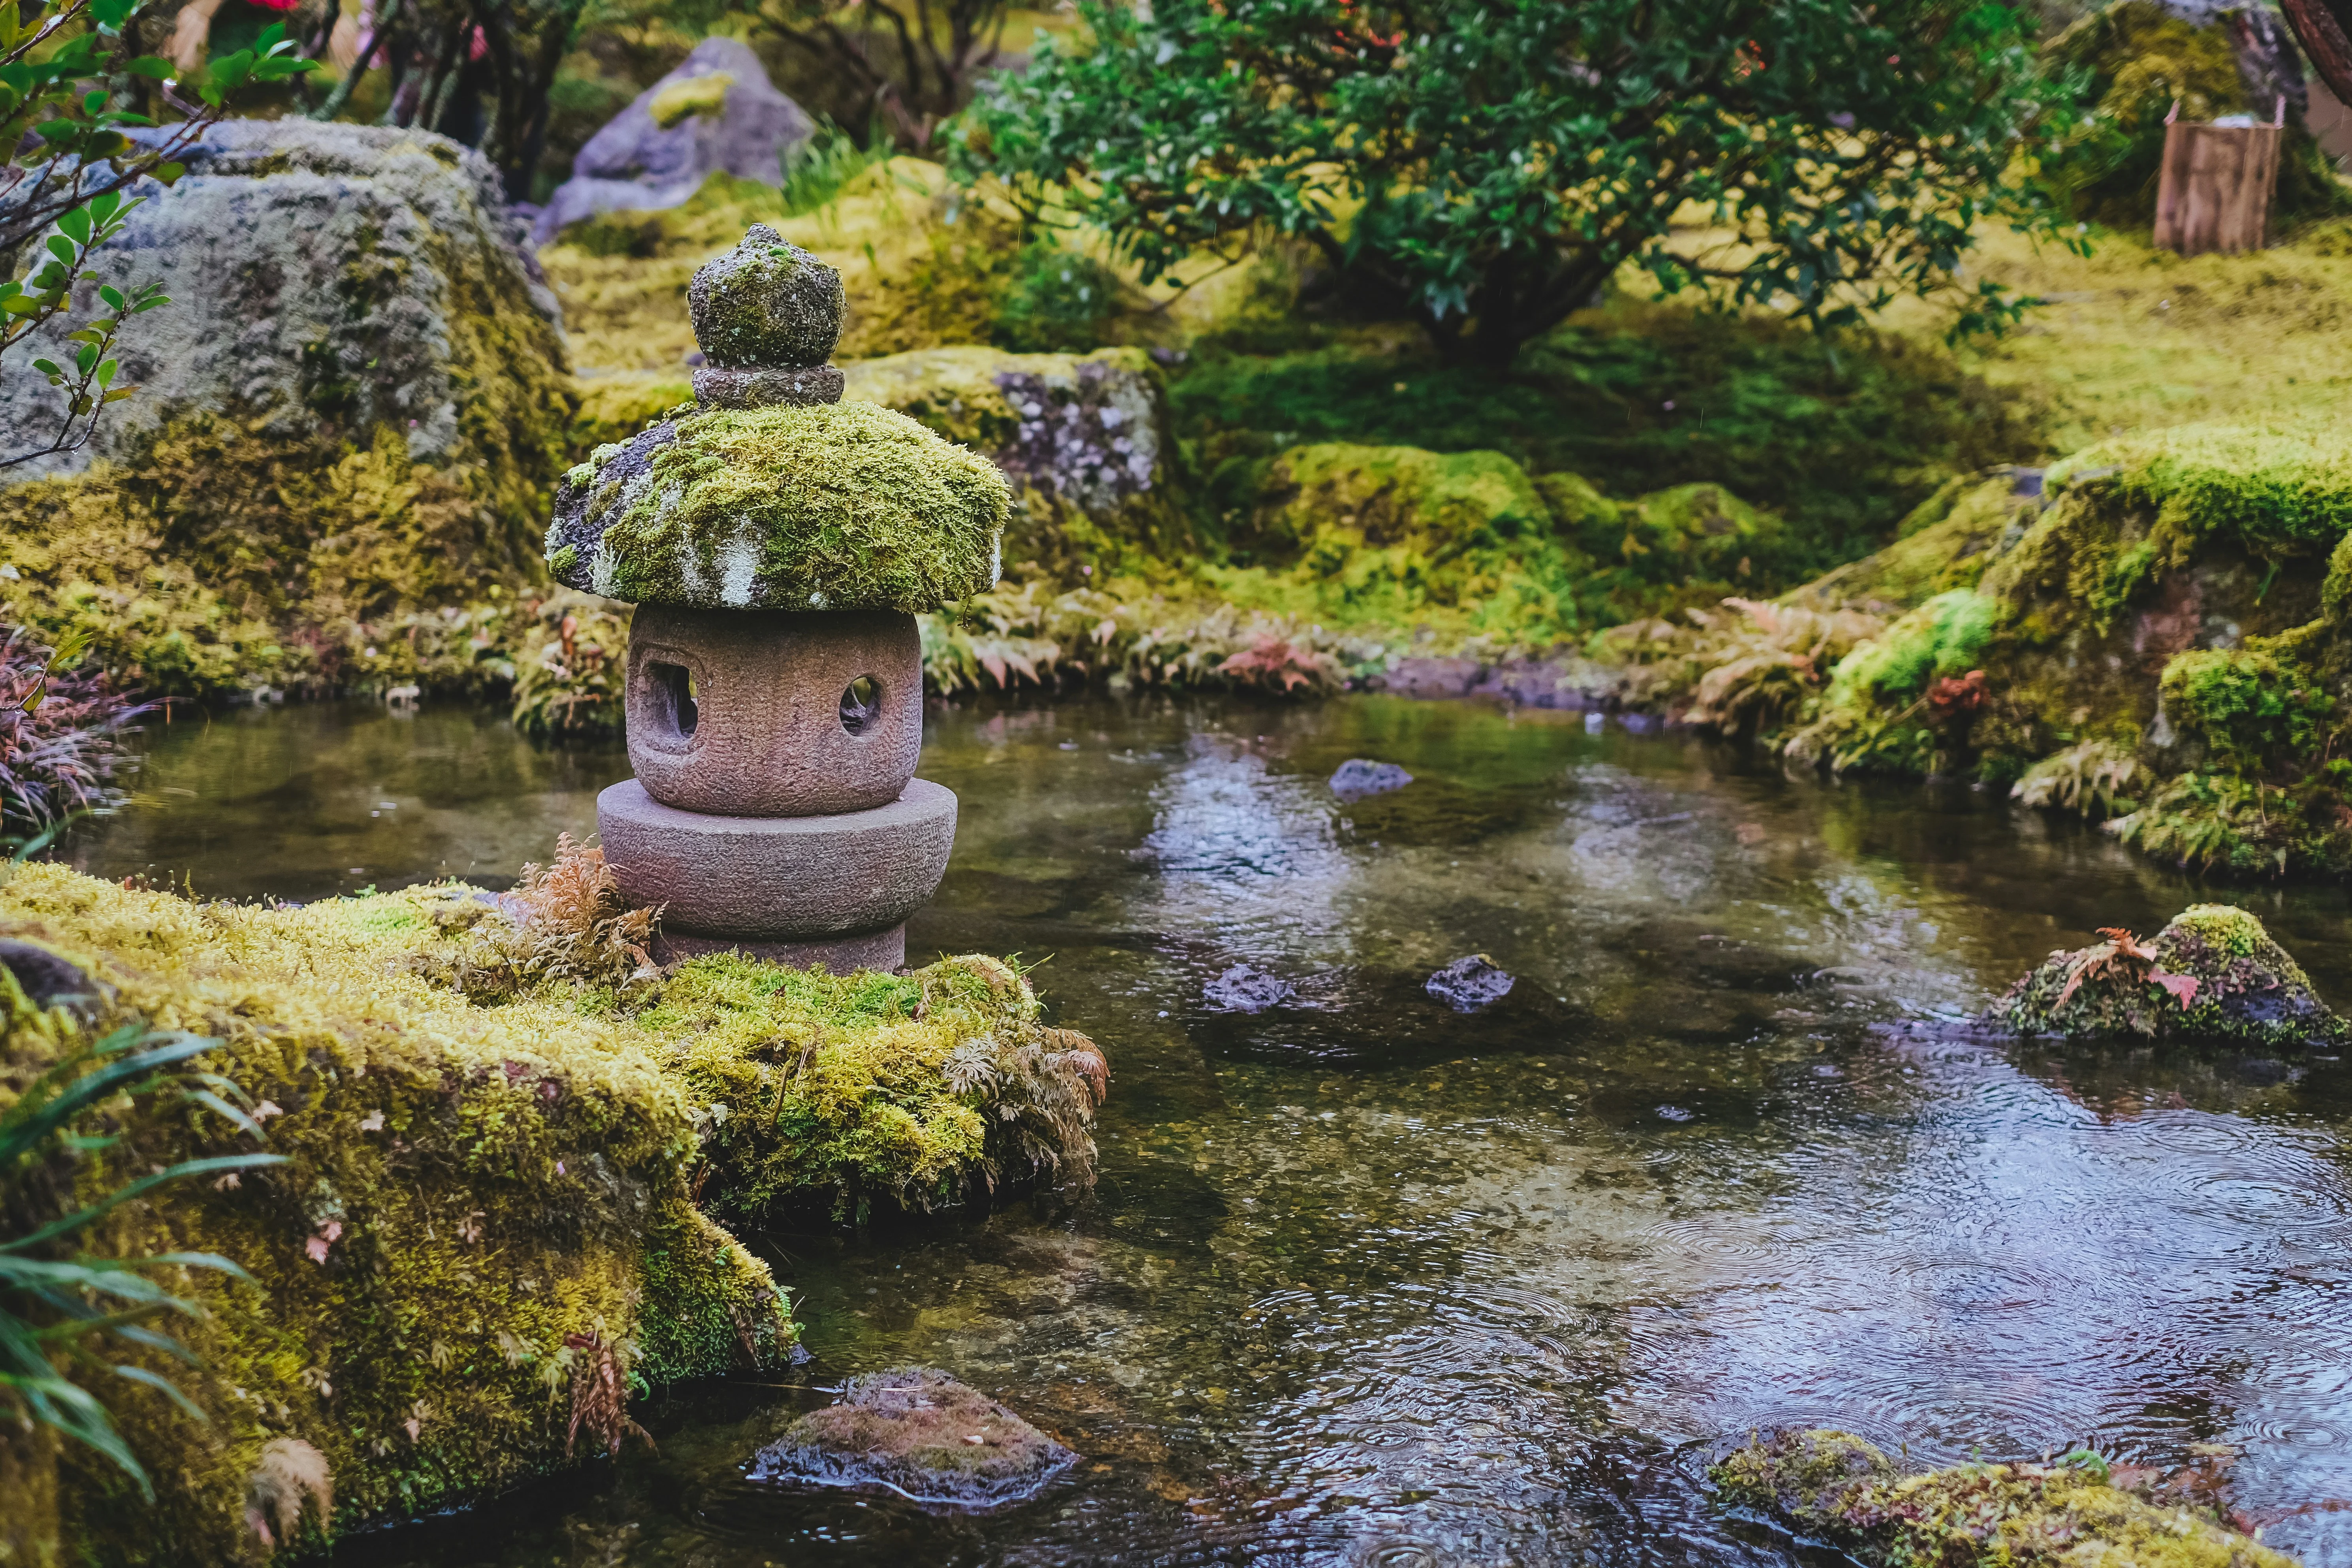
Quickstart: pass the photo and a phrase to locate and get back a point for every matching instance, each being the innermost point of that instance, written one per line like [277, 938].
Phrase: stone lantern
[778, 543]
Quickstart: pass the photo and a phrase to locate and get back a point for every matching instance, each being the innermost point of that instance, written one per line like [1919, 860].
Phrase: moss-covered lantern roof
[770, 493]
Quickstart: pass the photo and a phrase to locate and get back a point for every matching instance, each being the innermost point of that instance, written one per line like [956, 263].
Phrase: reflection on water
[1367, 1282]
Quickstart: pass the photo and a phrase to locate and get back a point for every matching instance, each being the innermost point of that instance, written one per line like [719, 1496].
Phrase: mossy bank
[498, 1123]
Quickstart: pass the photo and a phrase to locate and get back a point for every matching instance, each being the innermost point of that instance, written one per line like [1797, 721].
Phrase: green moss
[842, 506]
[1943, 636]
[854, 1093]
[481, 1206]
[1833, 1485]
[2274, 493]
[1396, 536]
[681, 100]
[2248, 709]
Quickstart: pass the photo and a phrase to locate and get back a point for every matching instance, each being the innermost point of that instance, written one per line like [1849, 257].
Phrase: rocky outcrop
[917, 1432]
[352, 277]
[716, 113]
[2213, 973]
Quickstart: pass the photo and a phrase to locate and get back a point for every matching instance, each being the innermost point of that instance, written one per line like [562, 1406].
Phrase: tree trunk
[2325, 27]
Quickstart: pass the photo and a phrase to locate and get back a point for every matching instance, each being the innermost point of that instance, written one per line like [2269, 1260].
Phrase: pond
[1369, 1283]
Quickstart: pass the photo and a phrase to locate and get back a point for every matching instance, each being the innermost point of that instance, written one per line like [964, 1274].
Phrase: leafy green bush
[1056, 301]
[1486, 167]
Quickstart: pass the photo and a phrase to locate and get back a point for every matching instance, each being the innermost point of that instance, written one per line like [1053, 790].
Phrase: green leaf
[151, 66]
[63, 249]
[114, 298]
[75, 225]
[140, 1375]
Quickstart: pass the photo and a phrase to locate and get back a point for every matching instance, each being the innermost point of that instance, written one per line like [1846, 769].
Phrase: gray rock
[49, 981]
[354, 277]
[1469, 984]
[917, 1432]
[635, 164]
[1358, 777]
[1241, 989]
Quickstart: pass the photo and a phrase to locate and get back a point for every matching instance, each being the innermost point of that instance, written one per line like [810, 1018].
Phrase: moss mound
[500, 1121]
[875, 1091]
[1835, 1487]
[486, 1212]
[836, 507]
[2213, 974]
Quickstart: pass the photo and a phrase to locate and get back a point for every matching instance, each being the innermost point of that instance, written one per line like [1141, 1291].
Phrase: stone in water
[1469, 984]
[1359, 777]
[1241, 989]
[919, 1433]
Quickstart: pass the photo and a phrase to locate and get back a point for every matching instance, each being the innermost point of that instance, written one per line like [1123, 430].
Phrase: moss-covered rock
[352, 413]
[500, 1122]
[1084, 438]
[874, 1092]
[484, 1211]
[2213, 974]
[1835, 1487]
[917, 1432]
[841, 506]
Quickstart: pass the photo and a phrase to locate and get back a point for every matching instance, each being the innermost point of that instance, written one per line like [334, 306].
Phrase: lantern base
[882, 950]
[791, 879]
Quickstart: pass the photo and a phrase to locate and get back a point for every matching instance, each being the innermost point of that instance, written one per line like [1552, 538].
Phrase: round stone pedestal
[746, 880]
[763, 713]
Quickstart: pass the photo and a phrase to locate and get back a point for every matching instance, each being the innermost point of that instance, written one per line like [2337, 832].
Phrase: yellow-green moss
[471, 1194]
[850, 1092]
[222, 559]
[615, 406]
[695, 95]
[842, 506]
[1396, 536]
[1835, 1487]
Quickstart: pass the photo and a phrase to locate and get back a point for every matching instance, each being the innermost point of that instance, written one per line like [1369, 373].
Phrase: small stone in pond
[918, 1432]
[1241, 989]
[1672, 1113]
[1358, 777]
[1469, 984]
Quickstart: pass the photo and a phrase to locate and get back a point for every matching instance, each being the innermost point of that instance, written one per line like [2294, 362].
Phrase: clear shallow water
[1368, 1283]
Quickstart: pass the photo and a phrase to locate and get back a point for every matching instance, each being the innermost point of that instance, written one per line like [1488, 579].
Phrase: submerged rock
[1836, 1487]
[2213, 973]
[1469, 984]
[1241, 989]
[717, 112]
[919, 1433]
[1358, 777]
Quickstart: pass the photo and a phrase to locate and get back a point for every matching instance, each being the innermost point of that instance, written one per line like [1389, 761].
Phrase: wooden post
[2215, 193]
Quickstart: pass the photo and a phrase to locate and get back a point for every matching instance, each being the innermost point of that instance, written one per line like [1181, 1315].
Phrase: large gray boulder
[678, 133]
[335, 280]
